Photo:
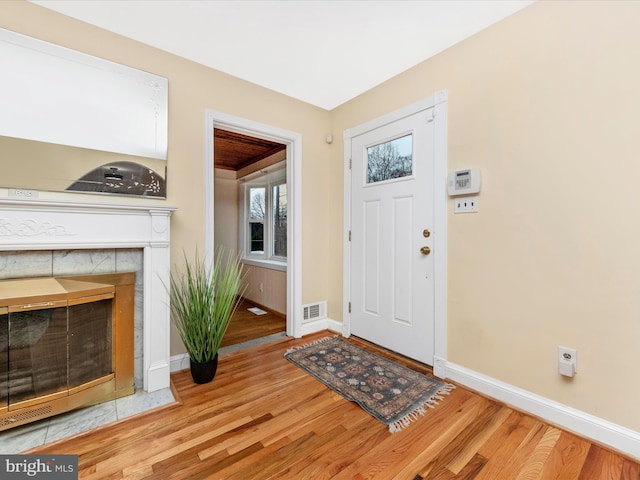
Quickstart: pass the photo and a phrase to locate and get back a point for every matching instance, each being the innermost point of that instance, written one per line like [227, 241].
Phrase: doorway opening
[250, 219]
[252, 174]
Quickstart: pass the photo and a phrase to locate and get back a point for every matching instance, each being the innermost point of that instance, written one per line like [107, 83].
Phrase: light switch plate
[465, 204]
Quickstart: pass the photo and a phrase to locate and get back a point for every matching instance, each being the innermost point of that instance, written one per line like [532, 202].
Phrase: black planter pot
[203, 372]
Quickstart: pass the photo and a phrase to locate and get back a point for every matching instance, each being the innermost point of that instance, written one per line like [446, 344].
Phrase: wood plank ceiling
[234, 151]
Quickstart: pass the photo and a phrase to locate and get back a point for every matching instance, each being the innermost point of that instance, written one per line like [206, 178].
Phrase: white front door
[392, 249]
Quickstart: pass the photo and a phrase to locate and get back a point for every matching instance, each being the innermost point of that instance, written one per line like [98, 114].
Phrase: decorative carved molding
[159, 223]
[32, 228]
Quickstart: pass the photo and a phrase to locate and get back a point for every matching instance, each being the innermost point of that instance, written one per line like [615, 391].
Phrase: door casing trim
[439, 102]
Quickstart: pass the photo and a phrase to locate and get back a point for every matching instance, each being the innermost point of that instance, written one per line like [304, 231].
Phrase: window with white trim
[257, 211]
[264, 229]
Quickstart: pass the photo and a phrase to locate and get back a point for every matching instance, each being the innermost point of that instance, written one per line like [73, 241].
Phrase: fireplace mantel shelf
[64, 225]
[44, 203]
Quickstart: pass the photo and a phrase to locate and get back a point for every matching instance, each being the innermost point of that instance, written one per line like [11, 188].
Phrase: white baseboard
[619, 438]
[319, 325]
[157, 377]
[334, 326]
[179, 362]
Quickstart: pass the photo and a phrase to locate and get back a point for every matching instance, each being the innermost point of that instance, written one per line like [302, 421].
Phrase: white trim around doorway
[293, 141]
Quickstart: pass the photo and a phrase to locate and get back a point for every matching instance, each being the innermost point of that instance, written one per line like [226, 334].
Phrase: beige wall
[545, 103]
[225, 213]
[266, 287]
[192, 89]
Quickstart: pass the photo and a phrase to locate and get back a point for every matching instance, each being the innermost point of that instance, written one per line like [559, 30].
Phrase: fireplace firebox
[65, 343]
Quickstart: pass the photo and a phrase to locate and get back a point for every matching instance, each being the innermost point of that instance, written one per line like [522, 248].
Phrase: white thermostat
[463, 182]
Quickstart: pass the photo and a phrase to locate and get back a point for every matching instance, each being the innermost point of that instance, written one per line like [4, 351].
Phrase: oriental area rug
[393, 394]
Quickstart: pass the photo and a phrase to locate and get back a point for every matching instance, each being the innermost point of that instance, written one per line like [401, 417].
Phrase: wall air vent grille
[314, 311]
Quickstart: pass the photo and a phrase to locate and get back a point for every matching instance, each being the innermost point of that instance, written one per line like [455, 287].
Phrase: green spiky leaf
[203, 302]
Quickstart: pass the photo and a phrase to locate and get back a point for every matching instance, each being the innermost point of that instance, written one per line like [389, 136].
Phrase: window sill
[270, 264]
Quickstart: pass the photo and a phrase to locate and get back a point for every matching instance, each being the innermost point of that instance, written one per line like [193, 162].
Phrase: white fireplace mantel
[57, 225]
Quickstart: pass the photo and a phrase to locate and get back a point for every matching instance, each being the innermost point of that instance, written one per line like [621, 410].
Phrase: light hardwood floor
[264, 418]
[245, 326]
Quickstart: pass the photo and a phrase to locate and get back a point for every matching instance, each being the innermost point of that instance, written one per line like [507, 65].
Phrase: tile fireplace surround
[46, 238]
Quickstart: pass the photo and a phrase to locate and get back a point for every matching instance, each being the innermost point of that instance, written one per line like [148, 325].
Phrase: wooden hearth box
[65, 343]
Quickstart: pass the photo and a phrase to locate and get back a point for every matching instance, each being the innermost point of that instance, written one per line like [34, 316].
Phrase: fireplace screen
[4, 356]
[57, 344]
[38, 353]
[54, 349]
[90, 332]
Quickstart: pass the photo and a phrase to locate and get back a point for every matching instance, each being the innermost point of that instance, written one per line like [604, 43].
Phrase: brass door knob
[425, 250]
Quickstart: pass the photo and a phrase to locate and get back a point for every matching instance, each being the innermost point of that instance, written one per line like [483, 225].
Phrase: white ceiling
[321, 52]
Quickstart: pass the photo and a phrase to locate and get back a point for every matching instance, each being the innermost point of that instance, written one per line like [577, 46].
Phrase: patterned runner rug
[392, 393]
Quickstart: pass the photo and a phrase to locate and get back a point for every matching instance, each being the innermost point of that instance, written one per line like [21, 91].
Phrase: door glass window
[389, 160]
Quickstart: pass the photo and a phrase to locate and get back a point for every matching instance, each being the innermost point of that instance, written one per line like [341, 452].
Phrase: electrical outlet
[567, 361]
[465, 204]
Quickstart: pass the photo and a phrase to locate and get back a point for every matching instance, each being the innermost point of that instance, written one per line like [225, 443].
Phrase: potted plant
[203, 300]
